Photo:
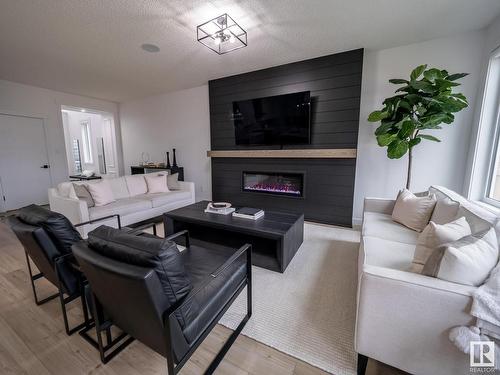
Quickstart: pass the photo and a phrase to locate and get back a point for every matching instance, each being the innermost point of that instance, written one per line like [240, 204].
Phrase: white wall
[433, 163]
[19, 99]
[177, 120]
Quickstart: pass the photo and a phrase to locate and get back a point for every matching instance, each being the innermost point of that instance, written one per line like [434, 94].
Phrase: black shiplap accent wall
[335, 85]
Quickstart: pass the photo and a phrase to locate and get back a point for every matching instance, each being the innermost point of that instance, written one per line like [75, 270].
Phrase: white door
[24, 167]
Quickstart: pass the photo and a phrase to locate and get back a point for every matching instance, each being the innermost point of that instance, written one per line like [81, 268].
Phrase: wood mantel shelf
[330, 153]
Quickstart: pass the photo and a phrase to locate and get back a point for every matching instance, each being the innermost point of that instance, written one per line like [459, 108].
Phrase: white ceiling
[92, 47]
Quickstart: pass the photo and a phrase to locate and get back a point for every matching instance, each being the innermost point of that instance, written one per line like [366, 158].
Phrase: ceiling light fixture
[222, 34]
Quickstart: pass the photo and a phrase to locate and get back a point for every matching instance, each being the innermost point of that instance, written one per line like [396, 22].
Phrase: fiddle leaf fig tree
[422, 103]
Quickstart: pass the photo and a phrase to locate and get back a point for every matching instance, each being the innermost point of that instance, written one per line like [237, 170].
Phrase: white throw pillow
[412, 211]
[467, 261]
[136, 184]
[157, 183]
[435, 235]
[446, 210]
[101, 193]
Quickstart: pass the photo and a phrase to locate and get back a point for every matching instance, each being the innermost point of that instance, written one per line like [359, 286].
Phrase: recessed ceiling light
[82, 110]
[150, 48]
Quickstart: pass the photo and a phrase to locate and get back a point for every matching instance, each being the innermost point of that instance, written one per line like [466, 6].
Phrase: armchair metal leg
[362, 363]
[33, 278]
[119, 343]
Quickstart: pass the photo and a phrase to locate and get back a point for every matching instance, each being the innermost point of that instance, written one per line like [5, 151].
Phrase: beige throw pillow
[83, 193]
[446, 210]
[173, 181]
[435, 235]
[157, 183]
[136, 185]
[412, 211]
[467, 261]
[101, 193]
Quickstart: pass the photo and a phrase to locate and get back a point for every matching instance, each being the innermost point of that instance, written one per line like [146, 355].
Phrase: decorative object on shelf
[219, 208]
[222, 34]
[145, 158]
[421, 104]
[175, 160]
[167, 160]
[248, 213]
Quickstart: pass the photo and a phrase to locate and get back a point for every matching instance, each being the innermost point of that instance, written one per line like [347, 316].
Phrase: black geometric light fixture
[222, 34]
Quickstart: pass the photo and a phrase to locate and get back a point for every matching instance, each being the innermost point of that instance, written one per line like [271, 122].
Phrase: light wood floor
[33, 340]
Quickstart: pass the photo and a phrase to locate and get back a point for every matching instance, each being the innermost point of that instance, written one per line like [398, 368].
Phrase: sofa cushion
[412, 211]
[173, 181]
[136, 185]
[434, 236]
[467, 261]
[83, 194]
[386, 253]
[59, 228]
[120, 207]
[446, 211]
[119, 187]
[208, 299]
[382, 226]
[161, 199]
[101, 193]
[161, 255]
[156, 183]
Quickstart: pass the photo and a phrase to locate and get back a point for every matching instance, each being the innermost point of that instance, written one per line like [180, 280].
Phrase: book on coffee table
[248, 213]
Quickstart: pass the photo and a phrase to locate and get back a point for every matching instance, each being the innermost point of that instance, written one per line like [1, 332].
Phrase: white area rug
[309, 311]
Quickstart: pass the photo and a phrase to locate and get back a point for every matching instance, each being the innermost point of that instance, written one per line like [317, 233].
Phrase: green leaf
[444, 83]
[404, 89]
[397, 148]
[417, 72]
[413, 98]
[432, 74]
[429, 121]
[404, 104]
[454, 77]
[413, 142]
[429, 137]
[385, 139]
[407, 129]
[422, 85]
[398, 81]
[376, 116]
[384, 128]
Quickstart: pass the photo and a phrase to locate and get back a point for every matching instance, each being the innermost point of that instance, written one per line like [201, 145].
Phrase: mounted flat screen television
[273, 120]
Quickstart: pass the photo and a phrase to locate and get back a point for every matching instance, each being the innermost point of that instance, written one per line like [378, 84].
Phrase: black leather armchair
[168, 299]
[47, 238]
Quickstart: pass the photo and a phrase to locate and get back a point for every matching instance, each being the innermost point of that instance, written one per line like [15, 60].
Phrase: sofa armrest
[75, 210]
[417, 279]
[379, 205]
[188, 186]
[404, 319]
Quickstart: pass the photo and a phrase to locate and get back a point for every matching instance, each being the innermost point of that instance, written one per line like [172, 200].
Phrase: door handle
[45, 166]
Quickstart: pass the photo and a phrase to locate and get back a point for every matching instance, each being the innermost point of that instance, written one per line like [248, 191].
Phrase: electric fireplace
[289, 184]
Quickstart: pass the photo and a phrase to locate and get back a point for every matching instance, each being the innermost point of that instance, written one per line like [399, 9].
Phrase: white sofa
[131, 208]
[403, 319]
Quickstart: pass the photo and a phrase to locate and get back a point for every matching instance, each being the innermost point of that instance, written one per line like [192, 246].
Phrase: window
[86, 142]
[485, 178]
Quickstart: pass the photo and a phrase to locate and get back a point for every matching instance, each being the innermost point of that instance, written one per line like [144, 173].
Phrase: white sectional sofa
[403, 318]
[131, 208]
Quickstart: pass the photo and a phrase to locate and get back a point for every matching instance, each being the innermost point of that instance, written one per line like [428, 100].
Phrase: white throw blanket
[486, 309]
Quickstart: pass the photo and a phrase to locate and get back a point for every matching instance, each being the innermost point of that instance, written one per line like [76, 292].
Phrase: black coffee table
[275, 238]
